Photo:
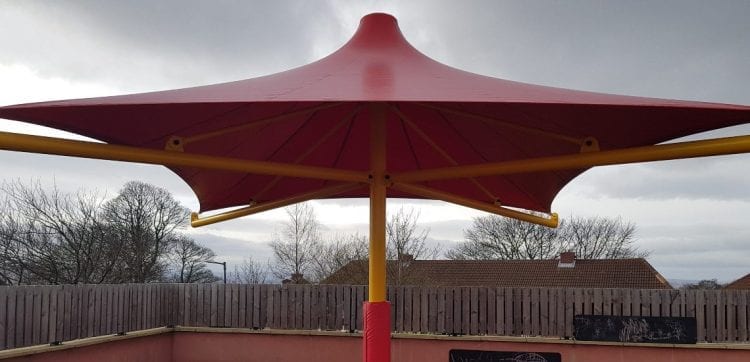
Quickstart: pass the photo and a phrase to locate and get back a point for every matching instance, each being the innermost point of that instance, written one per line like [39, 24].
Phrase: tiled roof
[597, 273]
[741, 283]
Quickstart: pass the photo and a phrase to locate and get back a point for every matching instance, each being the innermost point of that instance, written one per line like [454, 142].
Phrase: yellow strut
[57, 146]
[196, 221]
[492, 208]
[377, 204]
[671, 151]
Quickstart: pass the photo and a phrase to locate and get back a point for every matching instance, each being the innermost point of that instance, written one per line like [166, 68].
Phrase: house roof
[741, 283]
[595, 273]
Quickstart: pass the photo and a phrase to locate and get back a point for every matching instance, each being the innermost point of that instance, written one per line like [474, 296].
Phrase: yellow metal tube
[256, 123]
[713, 147]
[57, 146]
[377, 275]
[492, 208]
[197, 221]
[526, 129]
[323, 139]
[438, 149]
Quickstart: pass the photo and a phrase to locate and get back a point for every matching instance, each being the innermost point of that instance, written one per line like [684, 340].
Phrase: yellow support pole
[671, 151]
[377, 204]
[196, 221]
[56, 146]
[430, 193]
[376, 336]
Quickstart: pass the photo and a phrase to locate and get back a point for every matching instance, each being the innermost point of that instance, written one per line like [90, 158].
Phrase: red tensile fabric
[437, 116]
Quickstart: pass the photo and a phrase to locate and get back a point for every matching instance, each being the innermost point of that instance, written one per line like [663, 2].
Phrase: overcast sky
[691, 214]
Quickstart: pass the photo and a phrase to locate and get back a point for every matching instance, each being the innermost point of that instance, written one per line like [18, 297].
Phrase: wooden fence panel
[45, 314]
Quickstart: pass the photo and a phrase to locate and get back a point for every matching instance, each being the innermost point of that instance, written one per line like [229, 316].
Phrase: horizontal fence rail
[31, 315]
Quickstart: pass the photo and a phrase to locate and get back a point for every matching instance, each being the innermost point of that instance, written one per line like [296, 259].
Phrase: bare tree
[12, 268]
[497, 238]
[600, 238]
[338, 251]
[249, 272]
[146, 219]
[50, 237]
[188, 261]
[296, 245]
[406, 243]
[704, 284]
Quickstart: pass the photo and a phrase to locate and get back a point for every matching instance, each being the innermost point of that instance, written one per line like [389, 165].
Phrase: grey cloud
[233, 251]
[643, 48]
[704, 250]
[144, 44]
[71, 174]
[718, 178]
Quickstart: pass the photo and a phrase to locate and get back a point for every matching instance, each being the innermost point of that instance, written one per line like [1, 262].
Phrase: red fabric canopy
[438, 116]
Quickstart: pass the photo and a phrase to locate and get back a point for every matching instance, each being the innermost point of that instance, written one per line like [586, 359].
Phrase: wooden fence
[32, 315]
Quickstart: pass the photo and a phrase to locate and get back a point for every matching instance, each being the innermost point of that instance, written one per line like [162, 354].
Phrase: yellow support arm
[430, 193]
[57, 146]
[671, 151]
[196, 221]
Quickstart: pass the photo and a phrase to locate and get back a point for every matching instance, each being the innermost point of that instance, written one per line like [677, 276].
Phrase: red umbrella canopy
[436, 116]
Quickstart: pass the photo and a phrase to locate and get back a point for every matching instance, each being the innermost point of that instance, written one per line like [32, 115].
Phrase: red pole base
[376, 345]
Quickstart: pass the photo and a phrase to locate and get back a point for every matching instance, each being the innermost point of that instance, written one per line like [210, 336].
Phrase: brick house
[741, 283]
[566, 272]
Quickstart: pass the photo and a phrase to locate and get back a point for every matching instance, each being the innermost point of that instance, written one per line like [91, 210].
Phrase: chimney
[567, 260]
[405, 258]
[297, 278]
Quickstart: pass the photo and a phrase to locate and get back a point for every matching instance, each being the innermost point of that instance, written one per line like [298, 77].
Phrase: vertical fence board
[256, 307]
[28, 321]
[562, 319]
[656, 303]
[263, 308]
[52, 318]
[465, 310]
[731, 315]
[721, 303]
[491, 311]
[19, 316]
[534, 309]
[473, 310]
[361, 297]
[526, 311]
[710, 315]
[36, 323]
[449, 310]
[3, 315]
[433, 311]
[544, 315]
[10, 321]
[416, 308]
[675, 302]
[409, 310]
[510, 301]
[338, 312]
[399, 309]
[441, 311]
[500, 321]
[424, 313]
[742, 315]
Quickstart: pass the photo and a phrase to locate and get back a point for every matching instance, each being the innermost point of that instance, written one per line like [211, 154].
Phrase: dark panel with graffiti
[678, 330]
[460, 355]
